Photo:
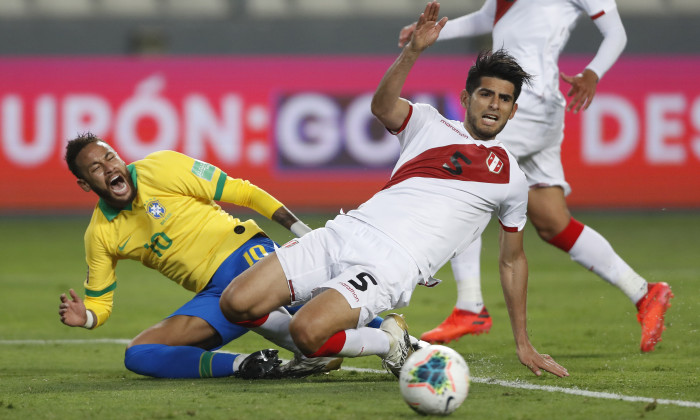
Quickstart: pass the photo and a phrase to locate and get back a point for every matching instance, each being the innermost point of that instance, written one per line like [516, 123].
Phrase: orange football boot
[652, 308]
[459, 323]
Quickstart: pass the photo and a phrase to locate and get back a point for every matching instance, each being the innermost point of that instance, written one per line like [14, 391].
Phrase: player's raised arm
[513, 270]
[387, 104]
[584, 84]
[476, 23]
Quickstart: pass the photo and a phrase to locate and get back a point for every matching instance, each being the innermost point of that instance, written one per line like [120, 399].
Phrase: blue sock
[376, 322]
[293, 309]
[161, 361]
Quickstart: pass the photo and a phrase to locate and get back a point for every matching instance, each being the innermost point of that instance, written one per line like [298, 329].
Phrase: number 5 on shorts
[362, 285]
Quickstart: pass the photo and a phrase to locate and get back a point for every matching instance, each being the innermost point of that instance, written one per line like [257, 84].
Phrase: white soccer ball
[434, 380]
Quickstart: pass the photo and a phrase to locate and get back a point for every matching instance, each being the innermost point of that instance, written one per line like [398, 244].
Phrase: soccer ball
[434, 380]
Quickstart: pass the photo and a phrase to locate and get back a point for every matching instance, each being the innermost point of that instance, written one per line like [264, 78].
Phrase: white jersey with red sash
[443, 190]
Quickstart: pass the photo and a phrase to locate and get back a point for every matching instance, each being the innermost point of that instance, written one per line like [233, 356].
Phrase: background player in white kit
[449, 179]
[535, 32]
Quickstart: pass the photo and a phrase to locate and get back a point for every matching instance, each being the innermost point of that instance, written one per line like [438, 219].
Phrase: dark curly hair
[74, 147]
[497, 64]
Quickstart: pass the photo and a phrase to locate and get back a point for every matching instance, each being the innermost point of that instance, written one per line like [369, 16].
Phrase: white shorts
[367, 267]
[534, 137]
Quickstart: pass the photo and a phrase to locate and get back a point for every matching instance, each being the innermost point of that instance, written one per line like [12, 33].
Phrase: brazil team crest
[155, 209]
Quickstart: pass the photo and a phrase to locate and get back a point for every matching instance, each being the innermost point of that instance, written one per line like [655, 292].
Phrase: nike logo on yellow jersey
[122, 246]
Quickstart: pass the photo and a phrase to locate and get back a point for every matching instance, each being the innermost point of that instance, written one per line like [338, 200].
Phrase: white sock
[276, 329]
[365, 341]
[467, 272]
[238, 360]
[595, 253]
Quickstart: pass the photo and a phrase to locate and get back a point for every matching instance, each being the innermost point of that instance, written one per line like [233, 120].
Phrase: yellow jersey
[173, 225]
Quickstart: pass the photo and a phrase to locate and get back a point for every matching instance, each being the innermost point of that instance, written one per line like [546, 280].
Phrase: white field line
[490, 381]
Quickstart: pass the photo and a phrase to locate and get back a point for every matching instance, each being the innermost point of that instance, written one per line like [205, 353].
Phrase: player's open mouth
[118, 185]
[489, 119]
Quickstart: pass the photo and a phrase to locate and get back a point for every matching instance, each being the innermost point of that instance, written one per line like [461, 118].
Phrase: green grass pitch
[588, 326]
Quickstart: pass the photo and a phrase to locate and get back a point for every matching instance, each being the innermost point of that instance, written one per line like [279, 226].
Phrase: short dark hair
[498, 64]
[74, 147]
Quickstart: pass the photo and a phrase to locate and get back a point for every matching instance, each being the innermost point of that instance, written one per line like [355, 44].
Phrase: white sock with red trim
[590, 249]
[276, 329]
[365, 341]
[354, 343]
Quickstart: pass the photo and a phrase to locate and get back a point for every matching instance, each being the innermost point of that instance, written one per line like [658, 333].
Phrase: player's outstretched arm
[287, 219]
[476, 23]
[72, 311]
[513, 270]
[538, 362]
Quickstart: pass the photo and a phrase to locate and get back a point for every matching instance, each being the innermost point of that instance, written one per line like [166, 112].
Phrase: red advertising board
[301, 127]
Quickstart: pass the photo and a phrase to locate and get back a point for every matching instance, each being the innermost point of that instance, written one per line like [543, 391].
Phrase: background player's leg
[549, 214]
[469, 315]
[466, 267]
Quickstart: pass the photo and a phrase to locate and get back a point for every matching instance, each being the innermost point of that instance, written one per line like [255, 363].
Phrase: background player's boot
[459, 323]
[651, 310]
[302, 366]
[263, 364]
[399, 343]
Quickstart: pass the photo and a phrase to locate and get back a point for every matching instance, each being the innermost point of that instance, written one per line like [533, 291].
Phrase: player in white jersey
[535, 32]
[449, 179]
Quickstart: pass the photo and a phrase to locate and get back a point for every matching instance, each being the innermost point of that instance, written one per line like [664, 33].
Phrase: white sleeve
[614, 41]
[512, 213]
[416, 121]
[473, 24]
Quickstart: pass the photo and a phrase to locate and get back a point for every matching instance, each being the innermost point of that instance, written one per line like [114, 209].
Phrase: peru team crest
[494, 163]
[155, 209]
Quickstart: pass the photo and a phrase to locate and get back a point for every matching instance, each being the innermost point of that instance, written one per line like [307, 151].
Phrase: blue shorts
[205, 304]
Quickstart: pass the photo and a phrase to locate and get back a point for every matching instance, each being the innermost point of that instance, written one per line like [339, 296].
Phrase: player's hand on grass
[72, 311]
[406, 33]
[583, 87]
[428, 27]
[538, 362]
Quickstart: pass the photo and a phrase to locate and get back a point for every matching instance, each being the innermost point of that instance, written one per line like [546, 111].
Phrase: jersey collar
[110, 212]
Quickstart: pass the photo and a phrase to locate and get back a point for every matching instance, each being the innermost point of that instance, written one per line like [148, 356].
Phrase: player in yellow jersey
[161, 210]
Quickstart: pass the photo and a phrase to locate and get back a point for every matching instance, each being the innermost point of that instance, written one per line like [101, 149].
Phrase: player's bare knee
[305, 336]
[233, 306]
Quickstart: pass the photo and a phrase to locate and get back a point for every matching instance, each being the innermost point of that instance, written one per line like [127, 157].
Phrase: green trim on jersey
[110, 212]
[98, 293]
[220, 186]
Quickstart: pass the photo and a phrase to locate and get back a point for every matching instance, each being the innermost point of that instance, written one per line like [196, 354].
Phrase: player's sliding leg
[180, 347]
[254, 300]
[469, 315]
[302, 366]
[162, 361]
[321, 332]
[275, 328]
[548, 212]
